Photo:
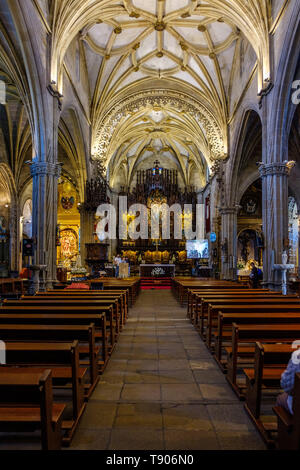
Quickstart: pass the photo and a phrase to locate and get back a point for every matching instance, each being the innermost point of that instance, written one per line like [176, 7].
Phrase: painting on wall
[67, 199]
[68, 246]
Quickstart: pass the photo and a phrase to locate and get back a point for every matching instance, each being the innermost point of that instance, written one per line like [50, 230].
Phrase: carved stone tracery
[109, 122]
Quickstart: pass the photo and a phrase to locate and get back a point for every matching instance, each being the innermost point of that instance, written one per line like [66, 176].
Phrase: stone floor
[162, 390]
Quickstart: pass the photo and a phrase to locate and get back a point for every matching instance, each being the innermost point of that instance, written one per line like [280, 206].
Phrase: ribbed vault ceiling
[154, 45]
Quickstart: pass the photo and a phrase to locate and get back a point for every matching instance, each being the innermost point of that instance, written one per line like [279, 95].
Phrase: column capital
[276, 168]
[45, 168]
[228, 210]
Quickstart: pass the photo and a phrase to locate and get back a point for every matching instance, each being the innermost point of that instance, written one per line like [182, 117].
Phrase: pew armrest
[284, 416]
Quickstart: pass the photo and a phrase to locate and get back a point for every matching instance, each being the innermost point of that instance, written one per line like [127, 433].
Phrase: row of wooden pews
[12, 286]
[57, 345]
[132, 284]
[182, 285]
[250, 334]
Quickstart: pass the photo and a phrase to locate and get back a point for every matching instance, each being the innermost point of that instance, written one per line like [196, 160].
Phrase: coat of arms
[67, 202]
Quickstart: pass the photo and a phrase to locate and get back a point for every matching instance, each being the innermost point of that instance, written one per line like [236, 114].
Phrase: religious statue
[251, 206]
[284, 257]
[78, 261]
[224, 248]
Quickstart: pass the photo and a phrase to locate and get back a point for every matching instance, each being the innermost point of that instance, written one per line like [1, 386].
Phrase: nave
[162, 389]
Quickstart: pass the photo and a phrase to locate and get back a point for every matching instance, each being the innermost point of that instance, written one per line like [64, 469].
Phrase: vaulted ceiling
[160, 73]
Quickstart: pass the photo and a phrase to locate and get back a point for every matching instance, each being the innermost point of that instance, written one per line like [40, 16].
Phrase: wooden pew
[203, 303]
[120, 297]
[226, 320]
[253, 306]
[181, 286]
[63, 360]
[26, 404]
[132, 285]
[197, 295]
[115, 300]
[37, 318]
[84, 334]
[113, 322]
[70, 310]
[194, 296]
[269, 363]
[12, 286]
[289, 425]
[204, 285]
[247, 334]
[124, 294]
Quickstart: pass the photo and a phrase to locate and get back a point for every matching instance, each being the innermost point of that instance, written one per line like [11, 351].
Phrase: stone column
[275, 217]
[215, 248]
[228, 242]
[44, 217]
[14, 229]
[113, 248]
[87, 221]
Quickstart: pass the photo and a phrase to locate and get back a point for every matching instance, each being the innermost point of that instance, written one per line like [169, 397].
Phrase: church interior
[114, 336]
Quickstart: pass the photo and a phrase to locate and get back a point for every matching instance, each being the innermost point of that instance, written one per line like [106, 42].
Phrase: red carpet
[156, 287]
[148, 283]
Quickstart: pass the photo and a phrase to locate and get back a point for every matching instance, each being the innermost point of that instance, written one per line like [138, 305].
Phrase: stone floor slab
[190, 440]
[181, 392]
[141, 392]
[143, 438]
[186, 417]
[162, 390]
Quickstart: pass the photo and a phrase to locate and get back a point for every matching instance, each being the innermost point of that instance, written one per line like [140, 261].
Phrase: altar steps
[148, 283]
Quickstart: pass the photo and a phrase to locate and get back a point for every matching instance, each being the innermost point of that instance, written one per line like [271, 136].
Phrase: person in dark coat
[254, 276]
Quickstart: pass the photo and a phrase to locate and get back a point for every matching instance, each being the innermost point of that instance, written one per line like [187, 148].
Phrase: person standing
[117, 261]
[254, 277]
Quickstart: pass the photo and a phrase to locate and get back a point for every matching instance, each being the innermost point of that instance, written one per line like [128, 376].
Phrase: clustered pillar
[275, 217]
[44, 207]
[229, 242]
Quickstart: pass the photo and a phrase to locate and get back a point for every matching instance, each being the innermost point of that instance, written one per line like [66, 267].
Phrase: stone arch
[7, 182]
[106, 125]
[279, 121]
[71, 137]
[243, 157]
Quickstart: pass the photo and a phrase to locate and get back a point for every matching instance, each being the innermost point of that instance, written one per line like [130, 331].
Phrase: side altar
[157, 270]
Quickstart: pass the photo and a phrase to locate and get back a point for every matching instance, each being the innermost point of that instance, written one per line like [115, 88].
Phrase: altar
[123, 270]
[157, 270]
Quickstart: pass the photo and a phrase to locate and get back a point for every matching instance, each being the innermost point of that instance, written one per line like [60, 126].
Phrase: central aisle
[162, 389]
